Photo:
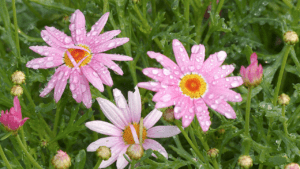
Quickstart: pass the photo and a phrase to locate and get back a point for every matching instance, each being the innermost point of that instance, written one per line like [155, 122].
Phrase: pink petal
[153, 86]
[154, 73]
[121, 161]
[115, 57]
[228, 82]
[77, 27]
[108, 63]
[197, 56]
[106, 141]
[169, 103]
[243, 71]
[60, 86]
[49, 52]
[115, 152]
[17, 107]
[188, 113]
[110, 45]
[45, 63]
[86, 94]
[214, 60]
[134, 102]
[202, 114]
[104, 128]
[219, 72]
[226, 94]
[181, 106]
[21, 123]
[92, 77]
[152, 118]
[102, 72]
[114, 114]
[154, 145]
[60, 36]
[167, 94]
[134, 134]
[162, 131]
[253, 58]
[97, 27]
[52, 83]
[95, 41]
[122, 105]
[75, 86]
[166, 63]
[51, 40]
[181, 56]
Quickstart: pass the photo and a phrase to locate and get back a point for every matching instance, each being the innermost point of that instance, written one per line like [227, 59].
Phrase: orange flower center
[193, 85]
[127, 135]
[78, 55]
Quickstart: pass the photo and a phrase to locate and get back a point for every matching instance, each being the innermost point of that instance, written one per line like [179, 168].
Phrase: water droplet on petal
[166, 72]
[235, 84]
[67, 39]
[78, 32]
[166, 98]
[95, 74]
[155, 71]
[72, 87]
[211, 96]
[112, 44]
[177, 109]
[221, 56]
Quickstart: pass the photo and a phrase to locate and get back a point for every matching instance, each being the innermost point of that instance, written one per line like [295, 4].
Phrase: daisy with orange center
[125, 129]
[193, 83]
[80, 58]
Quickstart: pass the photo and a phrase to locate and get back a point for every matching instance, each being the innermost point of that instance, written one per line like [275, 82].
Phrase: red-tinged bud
[252, 75]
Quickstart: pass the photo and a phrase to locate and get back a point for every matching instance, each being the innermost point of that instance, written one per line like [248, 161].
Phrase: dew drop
[67, 39]
[199, 109]
[155, 71]
[112, 44]
[95, 74]
[222, 55]
[211, 96]
[50, 58]
[166, 72]
[166, 98]
[153, 84]
[235, 84]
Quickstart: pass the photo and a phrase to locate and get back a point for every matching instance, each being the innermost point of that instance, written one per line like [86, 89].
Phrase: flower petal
[95, 41]
[60, 36]
[110, 45]
[104, 128]
[188, 113]
[109, 63]
[44, 63]
[228, 82]
[168, 94]
[197, 57]
[202, 114]
[214, 60]
[106, 141]
[154, 73]
[56, 53]
[75, 86]
[121, 161]
[51, 40]
[102, 72]
[17, 107]
[219, 72]
[77, 27]
[153, 86]
[154, 145]
[86, 94]
[122, 105]
[62, 79]
[152, 118]
[97, 27]
[52, 83]
[113, 113]
[181, 106]
[181, 56]
[134, 102]
[162, 131]
[115, 152]
[92, 77]
[115, 57]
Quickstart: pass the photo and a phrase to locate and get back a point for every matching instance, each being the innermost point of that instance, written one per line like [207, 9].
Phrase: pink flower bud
[292, 166]
[12, 119]
[252, 75]
[61, 160]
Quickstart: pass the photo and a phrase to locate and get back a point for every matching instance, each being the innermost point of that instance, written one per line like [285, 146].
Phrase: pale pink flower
[252, 75]
[193, 84]
[12, 120]
[81, 58]
[125, 128]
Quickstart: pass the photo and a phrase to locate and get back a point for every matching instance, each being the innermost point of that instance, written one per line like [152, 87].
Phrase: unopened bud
[245, 161]
[16, 90]
[103, 152]
[221, 131]
[135, 151]
[169, 115]
[18, 77]
[290, 37]
[283, 99]
[44, 143]
[61, 160]
[213, 153]
[292, 166]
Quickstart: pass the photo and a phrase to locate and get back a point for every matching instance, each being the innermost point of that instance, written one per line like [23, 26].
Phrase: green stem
[28, 96]
[260, 166]
[4, 158]
[110, 95]
[284, 122]
[56, 118]
[220, 5]
[36, 13]
[187, 16]
[247, 119]
[105, 6]
[30, 158]
[95, 135]
[16, 29]
[294, 57]
[132, 164]
[153, 5]
[23, 137]
[98, 163]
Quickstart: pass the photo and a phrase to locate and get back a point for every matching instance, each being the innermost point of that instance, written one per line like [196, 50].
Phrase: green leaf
[4, 136]
[12, 159]
[80, 159]
[276, 160]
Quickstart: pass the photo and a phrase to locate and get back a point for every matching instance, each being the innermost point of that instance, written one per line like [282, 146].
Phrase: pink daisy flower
[81, 58]
[193, 84]
[125, 128]
[252, 75]
[12, 120]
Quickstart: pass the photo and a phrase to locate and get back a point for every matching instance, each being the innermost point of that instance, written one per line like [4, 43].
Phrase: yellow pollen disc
[78, 55]
[193, 85]
[127, 135]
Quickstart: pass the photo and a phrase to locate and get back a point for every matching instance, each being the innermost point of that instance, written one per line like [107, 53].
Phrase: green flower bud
[169, 115]
[103, 152]
[16, 90]
[18, 77]
[213, 153]
[290, 37]
[245, 161]
[283, 99]
[61, 160]
[135, 151]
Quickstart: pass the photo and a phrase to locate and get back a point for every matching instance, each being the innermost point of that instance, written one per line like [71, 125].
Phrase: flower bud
[61, 160]
[18, 77]
[283, 99]
[292, 166]
[245, 161]
[252, 75]
[290, 37]
[16, 90]
[103, 152]
[213, 153]
[44, 143]
[135, 151]
[169, 115]
[221, 131]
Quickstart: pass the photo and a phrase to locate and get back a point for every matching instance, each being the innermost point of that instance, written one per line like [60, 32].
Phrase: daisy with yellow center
[80, 58]
[125, 128]
[193, 83]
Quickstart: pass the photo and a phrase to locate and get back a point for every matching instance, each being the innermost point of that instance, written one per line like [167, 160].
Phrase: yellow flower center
[193, 85]
[127, 135]
[78, 55]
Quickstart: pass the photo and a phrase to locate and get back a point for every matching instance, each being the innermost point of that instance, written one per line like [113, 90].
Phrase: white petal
[106, 141]
[134, 100]
[162, 131]
[152, 118]
[104, 128]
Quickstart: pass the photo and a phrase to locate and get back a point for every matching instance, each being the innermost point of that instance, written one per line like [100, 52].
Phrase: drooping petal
[122, 105]
[77, 27]
[86, 92]
[214, 60]
[109, 45]
[60, 36]
[134, 134]
[134, 102]
[162, 131]
[62, 79]
[188, 113]
[115, 152]
[104, 128]
[75, 86]
[106, 141]
[202, 114]
[102, 72]
[109, 63]
[56, 53]
[121, 161]
[228, 82]
[95, 41]
[181, 56]
[114, 114]
[51, 40]
[52, 83]
[97, 27]
[181, 107]
[154, 145]
[92, 77]
[115, 57]
[152, 118]
[197, 57]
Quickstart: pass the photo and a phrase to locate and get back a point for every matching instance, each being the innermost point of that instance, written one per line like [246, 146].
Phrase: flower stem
[95, 135]
[284, 122]
[186, 16]
[98, 163]
[16, 29]
[56, 118]
[30, 158]
[294, 57]
[247, 119]
[4, 158]
[220, 5]
[110, 95]
[23, 137]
